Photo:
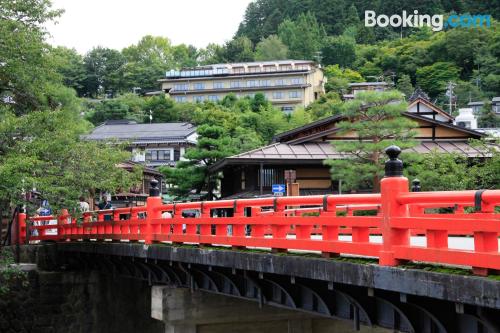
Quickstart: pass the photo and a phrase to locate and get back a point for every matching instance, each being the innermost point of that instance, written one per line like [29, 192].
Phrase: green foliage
[271, 48]
[328, 104]
[239, 49]
[487, 118]
[434, 78]
[148, 60]
[44, 151]
[9, 273]
[103, 68]
[447, 172]
[338, 79]
[303, 36]
[375, 121]
[24, 63]
[404, 85]
[69, 64]
[339, 50]
[438, 172]
[128, 106]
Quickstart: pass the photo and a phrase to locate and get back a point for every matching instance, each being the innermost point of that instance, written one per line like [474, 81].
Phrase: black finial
[415, 185]
[393, 166]
[154, 191]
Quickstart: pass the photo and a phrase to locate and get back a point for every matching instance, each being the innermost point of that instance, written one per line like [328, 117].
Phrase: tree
[487, 117]
[338, 79]
[24, 65]
[240, 49]
[46, 152]
[339, 50]
[271, 48]
[438, 171]
[69, 64]
[104, 69]
[212, 54]
[375, 121]
[303, 37]
[213, 144]
[434, 78]
[404, 85]
[150, 58]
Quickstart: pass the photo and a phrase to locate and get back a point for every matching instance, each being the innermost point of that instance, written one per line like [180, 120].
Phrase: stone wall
[77, 302]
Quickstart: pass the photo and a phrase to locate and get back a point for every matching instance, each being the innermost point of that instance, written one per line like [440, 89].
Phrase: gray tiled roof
[159, 132]
[496, 99]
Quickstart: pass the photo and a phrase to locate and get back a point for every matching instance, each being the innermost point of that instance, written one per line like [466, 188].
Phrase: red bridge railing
[330, 224]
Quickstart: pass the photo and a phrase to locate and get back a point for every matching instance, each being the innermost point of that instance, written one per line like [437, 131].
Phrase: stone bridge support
[186, 311]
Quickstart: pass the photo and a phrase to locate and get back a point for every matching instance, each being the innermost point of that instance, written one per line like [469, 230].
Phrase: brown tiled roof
[316, 152]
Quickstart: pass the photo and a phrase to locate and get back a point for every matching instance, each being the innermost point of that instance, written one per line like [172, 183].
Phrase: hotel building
[287, 84]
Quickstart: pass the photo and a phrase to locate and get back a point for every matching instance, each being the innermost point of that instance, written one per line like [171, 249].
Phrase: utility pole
[449, 93]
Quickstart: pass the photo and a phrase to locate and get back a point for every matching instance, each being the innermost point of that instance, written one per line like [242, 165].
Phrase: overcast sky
[120, 23]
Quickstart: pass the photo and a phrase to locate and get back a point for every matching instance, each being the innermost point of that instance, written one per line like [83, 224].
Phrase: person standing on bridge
[84, 205]
[105, 204]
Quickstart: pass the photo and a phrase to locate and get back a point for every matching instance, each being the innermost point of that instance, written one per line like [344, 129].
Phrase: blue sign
[279, 188]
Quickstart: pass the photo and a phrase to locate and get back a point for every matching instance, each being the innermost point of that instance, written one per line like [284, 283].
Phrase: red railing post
[61, 220]
[153, 210]
[21, 219]
[391, 186]
[484, 242]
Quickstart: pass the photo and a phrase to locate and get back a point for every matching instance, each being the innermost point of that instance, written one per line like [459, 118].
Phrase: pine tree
[404, 85]
[375, 121]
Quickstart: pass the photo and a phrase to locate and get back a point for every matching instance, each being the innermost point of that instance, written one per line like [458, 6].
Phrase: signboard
[290, 176]
[278, 189]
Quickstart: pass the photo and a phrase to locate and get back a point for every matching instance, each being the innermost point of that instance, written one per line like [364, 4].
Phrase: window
[287, 109]
[302, 67]
[254, 69]
[496, 108]
[279, 82]
[236, 84]
[181, 86]
[180, 98]
[221, 70]
[252, 83]
[294, 94]
[213, 98]
[159, 155]
[199, 86]
[200, 98]
[285, 67]
[269, 68]
[218, 85]
[268, 177]
[238, 70]
[265, 83]
[297, 80]
[277, 95]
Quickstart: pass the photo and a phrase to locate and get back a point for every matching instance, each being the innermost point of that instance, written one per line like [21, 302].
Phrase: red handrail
[278, 223]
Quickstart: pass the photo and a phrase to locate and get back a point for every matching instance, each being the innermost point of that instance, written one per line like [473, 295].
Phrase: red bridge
[215, 251]
[308, 223]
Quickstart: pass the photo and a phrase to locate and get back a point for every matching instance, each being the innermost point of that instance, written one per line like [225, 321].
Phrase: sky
[119, 23]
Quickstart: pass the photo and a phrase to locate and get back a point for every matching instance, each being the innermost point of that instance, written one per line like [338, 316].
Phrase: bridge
[401, 260]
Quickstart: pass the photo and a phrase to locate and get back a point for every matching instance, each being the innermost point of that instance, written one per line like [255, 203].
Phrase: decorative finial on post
[393, 166]
[415, 185]
[154, 191]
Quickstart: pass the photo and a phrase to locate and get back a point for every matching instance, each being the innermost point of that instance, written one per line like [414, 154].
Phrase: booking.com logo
[436, 22]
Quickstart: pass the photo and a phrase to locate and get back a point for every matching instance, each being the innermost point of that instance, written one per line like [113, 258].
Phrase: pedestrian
[84, 205]
[105, 204]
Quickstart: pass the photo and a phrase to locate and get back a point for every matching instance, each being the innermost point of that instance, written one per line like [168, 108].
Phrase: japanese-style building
[154, 145]
[304, 149]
